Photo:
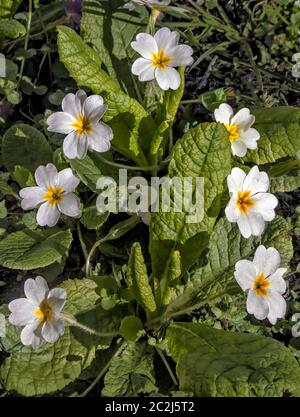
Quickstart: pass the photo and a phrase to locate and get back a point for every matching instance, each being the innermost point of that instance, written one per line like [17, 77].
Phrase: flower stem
[165, 362]
[82, 243]
[26, 39]
[71, 321]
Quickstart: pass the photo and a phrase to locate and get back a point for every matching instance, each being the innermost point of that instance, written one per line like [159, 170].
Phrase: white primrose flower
[250, 204]
[160, 55]
[131, 5]
[79, 120]
[53, 195]
[263, 279]
[241, 135]
[39, 312]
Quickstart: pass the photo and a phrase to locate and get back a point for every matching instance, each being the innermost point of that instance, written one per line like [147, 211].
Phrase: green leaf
[217, 363]
[91, 168]
[130, 328]
[226, 247]
[285, 183]
[83, 63]
[132, 125]
[25, 146]
[131, 374]
[137, 277]
[28, 249]
[172, 98]
[23, 177]
[280, 131]
[202, 152]
[8, 8]
[11, 29]
[52, 366]
[110, 31]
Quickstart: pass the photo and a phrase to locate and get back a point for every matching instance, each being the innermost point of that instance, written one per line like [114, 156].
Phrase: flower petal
[223, 113]
[165, 39]
[277, 283]
[57, 299]
[145, 45]
[67, 180]
[250, 138]
[94, 108]
[70, 145]
[82, 146]
[46, 176]
[266, 260]
[181, 56]
[235, 180]
[265, 204]
[231, 211]
[36, 290]
[32, 197]
[243, 119]
[22, 312]
[167, 78]
[71, 104]
[60, 122]
[144, 69]
[70, 205]
[100, 139]
[30, 335]
[256, 222]
[51, 330]
[277, 306]
[245, 273]
[239, 148]
[47, 215]
[257, 305]
[256, 181]
[244, 226]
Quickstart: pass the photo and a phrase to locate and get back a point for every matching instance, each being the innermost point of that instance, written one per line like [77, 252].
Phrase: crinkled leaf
[280, 131]
[202, 152]
[8, 8]
[131, 374]
[11, 29]
[83, 62]
[217, 363]
[285, 183]
[29, 249]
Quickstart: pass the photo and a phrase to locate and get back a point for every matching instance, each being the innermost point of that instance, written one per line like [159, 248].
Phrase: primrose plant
[145, 291]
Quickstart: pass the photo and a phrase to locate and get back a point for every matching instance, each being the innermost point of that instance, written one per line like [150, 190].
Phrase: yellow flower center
[82, 125]
[44, 312]
[53, 195]
[244, 201]
[233, 132]
[261, 285]
[161, 60]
